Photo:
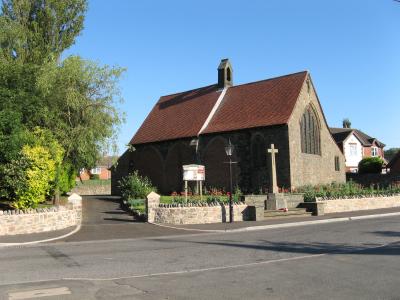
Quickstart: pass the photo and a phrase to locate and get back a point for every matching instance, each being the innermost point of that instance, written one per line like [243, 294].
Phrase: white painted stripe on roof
[212, 113]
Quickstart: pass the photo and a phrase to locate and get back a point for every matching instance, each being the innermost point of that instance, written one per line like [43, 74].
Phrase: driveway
[103, 219]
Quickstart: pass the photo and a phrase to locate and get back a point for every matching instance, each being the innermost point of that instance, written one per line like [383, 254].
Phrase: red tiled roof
[178, 115]
[263, 103]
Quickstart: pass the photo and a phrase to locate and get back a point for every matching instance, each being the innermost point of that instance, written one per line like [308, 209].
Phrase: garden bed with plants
[135, 188]
[348, 190]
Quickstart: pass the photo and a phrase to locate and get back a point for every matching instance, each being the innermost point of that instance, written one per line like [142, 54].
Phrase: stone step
[291, 212]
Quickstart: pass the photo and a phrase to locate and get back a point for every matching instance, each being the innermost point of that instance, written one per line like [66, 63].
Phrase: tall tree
[82, 98]
[37, 31]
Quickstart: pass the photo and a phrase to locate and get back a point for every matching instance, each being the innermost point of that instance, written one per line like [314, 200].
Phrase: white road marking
[3, 245]
[265, 262]
[39, 293]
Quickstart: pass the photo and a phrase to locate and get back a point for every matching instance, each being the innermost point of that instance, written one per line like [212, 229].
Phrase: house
[196, 125]
[394, 164]
[102, 169]
[356, 145]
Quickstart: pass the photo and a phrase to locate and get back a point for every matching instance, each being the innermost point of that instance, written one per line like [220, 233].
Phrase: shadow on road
[313, 248]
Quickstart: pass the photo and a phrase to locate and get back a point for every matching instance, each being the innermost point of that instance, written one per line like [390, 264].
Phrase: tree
[346, 123]
[37, 31]
[82, 98]
[71, 104]
[75, 99]
[390, 153]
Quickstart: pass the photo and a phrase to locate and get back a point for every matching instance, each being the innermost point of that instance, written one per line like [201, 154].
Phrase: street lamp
[229, 151]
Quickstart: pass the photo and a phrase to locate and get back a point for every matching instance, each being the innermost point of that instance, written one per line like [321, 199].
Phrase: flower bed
[349, 190]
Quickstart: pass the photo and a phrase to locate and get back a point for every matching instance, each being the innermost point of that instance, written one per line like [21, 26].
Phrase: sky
[350, 47]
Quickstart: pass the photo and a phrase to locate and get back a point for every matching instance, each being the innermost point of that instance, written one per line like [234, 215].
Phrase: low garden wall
[90, 190]
[354, 204]
[41, 220]
[191, 213]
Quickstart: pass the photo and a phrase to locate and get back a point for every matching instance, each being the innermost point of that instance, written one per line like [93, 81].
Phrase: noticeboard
[194, 173]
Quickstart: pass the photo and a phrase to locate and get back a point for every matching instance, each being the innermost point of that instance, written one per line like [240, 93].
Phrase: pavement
[103, 219]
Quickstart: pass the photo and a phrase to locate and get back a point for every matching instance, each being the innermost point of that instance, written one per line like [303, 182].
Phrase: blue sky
[351, 48]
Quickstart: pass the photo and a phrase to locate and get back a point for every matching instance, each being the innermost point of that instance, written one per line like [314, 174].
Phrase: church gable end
[312, 148]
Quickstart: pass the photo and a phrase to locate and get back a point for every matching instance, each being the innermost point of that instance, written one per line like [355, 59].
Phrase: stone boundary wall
[89, 190]
[346, 205]
[41, 220]
[212, 213]
[191, 213]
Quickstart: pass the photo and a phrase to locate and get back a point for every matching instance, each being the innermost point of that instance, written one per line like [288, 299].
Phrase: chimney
[225, 74]
[346, 123]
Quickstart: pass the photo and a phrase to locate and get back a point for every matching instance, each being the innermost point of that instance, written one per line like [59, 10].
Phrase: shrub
[38, 175]
[370, 165]
[65, 178]
[349, 189]
[135, 186]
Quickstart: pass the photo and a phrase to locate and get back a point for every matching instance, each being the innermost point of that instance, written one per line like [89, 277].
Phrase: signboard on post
[194, 173]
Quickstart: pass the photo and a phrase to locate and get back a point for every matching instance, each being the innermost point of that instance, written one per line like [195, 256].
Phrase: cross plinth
[273, 187]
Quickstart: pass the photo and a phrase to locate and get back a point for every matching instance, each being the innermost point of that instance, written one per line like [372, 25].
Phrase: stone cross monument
[273, 187]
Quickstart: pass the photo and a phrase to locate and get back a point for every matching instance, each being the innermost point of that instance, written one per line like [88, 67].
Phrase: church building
[195, 126]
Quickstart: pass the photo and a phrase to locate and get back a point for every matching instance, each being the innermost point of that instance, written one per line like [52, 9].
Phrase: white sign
[194, 173]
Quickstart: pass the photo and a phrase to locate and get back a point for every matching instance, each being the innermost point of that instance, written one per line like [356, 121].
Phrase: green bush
[135, 186]
[370, 165]
[39, 174]
[31, 175]
[65, 178]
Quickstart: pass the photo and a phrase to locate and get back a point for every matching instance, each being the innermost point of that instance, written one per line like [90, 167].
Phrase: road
[348, 260]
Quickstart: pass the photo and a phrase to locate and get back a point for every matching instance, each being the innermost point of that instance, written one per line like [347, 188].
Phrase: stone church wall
[162, 162]
[311, 168]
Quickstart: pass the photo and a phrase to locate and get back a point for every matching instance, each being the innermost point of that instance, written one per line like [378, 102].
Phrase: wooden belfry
[273, 187]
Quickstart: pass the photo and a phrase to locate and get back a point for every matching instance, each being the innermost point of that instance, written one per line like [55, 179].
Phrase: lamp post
[229, 151]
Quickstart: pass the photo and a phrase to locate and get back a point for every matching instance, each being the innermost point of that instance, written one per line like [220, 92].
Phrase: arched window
[228, 74]
[310, 132]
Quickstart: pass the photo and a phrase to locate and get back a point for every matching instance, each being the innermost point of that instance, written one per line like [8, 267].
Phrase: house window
[95, 171]
[310, 132]
[353, 149]
[374, 151]
[337, 163]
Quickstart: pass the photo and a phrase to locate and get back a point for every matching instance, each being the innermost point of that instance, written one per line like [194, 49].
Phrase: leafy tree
[37, 31]
[390, 153]
[82, 98]
[67, 108]
[346, 123]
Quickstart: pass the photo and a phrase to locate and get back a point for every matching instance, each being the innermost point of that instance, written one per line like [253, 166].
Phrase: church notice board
[194, 173]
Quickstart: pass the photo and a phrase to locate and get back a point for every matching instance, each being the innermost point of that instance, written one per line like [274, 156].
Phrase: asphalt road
[349, 260]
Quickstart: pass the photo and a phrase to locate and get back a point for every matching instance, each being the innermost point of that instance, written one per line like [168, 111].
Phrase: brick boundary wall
[346, 205]
[41, 220]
